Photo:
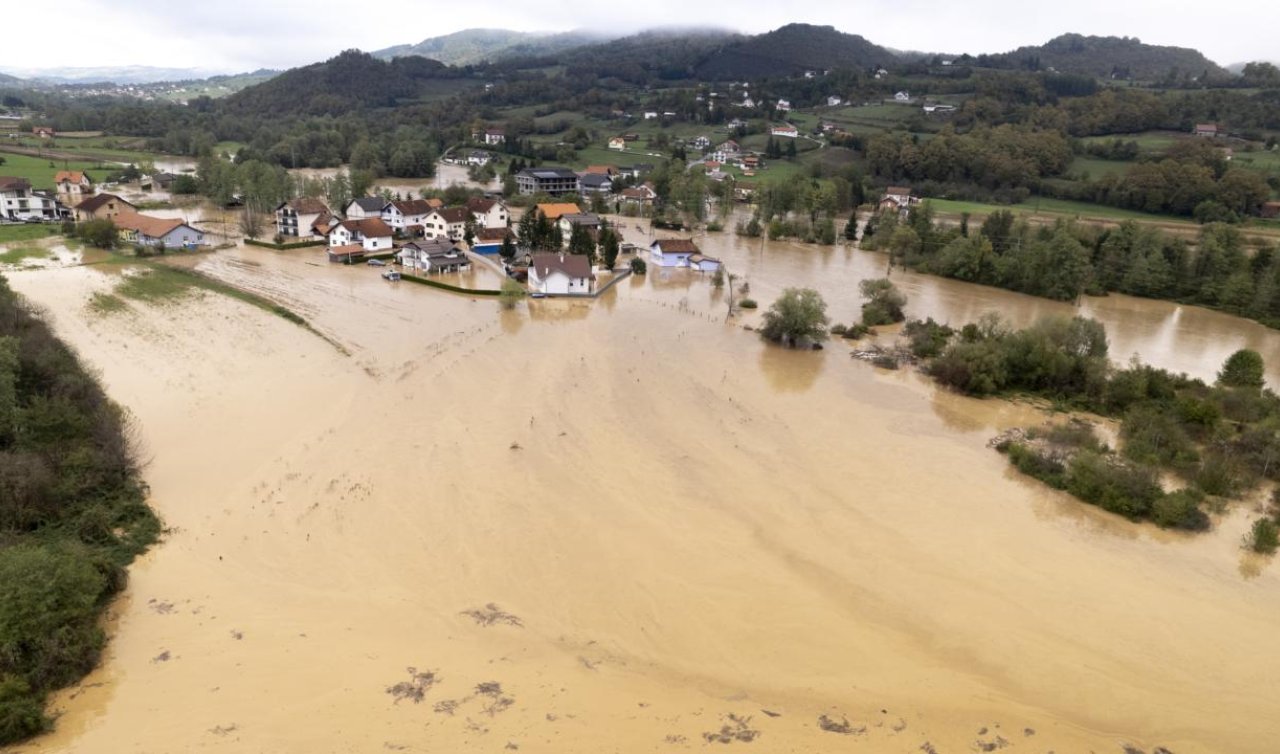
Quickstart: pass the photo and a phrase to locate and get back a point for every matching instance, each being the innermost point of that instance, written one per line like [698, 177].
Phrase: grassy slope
[40, 171]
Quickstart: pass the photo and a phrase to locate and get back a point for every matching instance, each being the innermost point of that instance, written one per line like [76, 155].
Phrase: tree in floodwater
[884, 302]
[1244, 368]
[799, 315]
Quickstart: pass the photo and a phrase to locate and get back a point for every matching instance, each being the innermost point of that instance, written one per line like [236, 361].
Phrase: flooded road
[624, 525]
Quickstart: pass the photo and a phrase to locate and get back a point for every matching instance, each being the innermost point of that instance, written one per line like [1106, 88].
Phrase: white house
[783, 106]
[650, 115]
[157, 231]
[786, 129]
[433, 256]
[902, 97]
[488, 213]
[748, 102]
[365, 207]
[589, 221]
[19, 202]
[834, 101]
[449, 222]
[639, 196]
[73, 186]
[617, 142]
[370, 233]
[703, 264]
[405, 215]
[672, 252]
[726, 152]
[700, 142]
[898, 199]
[493, 136]
[479, 158]
[560, 274]
[297, 218]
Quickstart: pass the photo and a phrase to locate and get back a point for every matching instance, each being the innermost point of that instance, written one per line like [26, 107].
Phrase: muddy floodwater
[624, 525]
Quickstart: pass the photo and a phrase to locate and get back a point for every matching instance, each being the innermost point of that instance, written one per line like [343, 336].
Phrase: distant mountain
[472, 46]
[7, 80]
[133, 74]
[792, 49]
[1122, 57]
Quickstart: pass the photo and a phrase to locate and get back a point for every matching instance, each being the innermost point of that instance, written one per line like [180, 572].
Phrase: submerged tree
[1244, 368]
[799, 315]
[884, 302]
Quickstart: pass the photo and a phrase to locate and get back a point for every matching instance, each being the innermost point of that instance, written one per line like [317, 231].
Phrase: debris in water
[221, 730]
[446, 706]
[771, 713]
[736, 729]
[237, 635]
[415, 688]
[841, 726]
[491, 614]
[162, 657]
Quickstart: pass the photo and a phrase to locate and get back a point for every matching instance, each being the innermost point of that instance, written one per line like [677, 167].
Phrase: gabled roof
[371, 227]
[72, 176]
[152, 227]
[432, 246]
[369, 203]
[8, 183]
[96, 202]
[897, 191]
[600, 170]
[580, 218]
[479, 205]
[305, 205]
[414, 207]
[452, 215]
[553, 211]
[596, 179]
[572, 265]
[676, 246]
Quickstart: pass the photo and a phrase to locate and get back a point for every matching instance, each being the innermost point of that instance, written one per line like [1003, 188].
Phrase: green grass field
[40, 171]
[10, 234]
[1148, 141]
[1059, 207]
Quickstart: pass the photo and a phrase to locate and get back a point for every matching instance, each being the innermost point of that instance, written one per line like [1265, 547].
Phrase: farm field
[40, 171]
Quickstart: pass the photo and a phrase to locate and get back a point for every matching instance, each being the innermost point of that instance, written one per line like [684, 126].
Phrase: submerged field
[625, 525]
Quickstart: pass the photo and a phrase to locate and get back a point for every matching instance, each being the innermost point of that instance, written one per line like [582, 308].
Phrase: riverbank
[685, 524]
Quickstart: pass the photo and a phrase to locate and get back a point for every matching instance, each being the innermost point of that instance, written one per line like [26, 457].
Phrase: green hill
[1106, 57]
[472, 46]
[792, 49]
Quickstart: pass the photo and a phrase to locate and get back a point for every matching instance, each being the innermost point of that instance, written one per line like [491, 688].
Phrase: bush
[884, 302]
[638, 266]
[1244, 368]
[927, 338]
[798, 316]
[1180, 510]
[1263, 537]
[1114, 487]
[748, 303]
[21, 712]
[1047, 469]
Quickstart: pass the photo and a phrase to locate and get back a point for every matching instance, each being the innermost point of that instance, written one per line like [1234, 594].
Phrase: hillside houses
[369, 234]
[102, 206]
[548, 180]
[448, 222]
[587, 221]
[785, 130]
[488, 213]
[408, 216]
[365, 207]
[897, 199]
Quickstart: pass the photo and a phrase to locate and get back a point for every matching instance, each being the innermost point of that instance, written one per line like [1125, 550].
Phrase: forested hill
[353, 80]
[471, 46]
[792, 49]
[1104, 57]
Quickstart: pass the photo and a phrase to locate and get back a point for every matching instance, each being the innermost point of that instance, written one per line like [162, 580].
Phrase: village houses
[72, 186]
[488, 213]
[370, 234]
[408, 216]
[548, 180]
[365, 207]
[560, 274]
[157, 231]
[302, 217]
[18, 201]
[897, 199]
[785, 130]
[102, 206]
[448, 222]
[433, 256]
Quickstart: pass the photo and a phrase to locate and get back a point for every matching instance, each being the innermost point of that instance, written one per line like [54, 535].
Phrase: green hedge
[454, 288]
[283, 246]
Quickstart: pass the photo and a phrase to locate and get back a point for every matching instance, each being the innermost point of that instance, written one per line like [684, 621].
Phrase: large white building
[19, 202]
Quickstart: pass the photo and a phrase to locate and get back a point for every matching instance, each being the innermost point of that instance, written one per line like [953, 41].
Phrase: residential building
[902, 97]
[596, 183]
[407, 216]
[897, 199]
[701, 142]
[365, 207]
[783, 106]
[72, 186]
[560, 274]
[607, 170]
[726, 152]
[1208, 130]
[552, 181]
[553, 212]
[479, 158]
[834, 101]
[650, 115]
[939, 108]
[102, 206]
[703, 264]
[489, 240]
[43, 132]
[588, 221]
[785, 130]
[161, 181]
[157, 231]
[672, 252]
[639, 196]
[449, 222]
[635, 172]
[299, 217]
[489, 213]
[617, 142]
[744, 191]
[19, 202]
[370, 233]
[494, 136]
[432, 256]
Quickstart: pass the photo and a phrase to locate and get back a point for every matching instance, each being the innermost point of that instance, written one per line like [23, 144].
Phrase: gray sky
[241, 35]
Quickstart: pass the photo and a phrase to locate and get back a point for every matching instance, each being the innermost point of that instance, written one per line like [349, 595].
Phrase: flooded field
[625, 525]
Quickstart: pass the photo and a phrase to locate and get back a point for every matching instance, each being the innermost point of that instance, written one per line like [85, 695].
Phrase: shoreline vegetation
[1185, 447]
[73, 515]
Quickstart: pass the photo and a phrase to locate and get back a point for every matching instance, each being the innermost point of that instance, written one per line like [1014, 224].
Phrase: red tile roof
[372, 227]
[676, 246]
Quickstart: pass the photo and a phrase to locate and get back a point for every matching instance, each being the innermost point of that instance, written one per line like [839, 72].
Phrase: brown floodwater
[678, 527]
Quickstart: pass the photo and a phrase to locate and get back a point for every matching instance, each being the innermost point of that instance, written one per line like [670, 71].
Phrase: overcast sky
[242, 35]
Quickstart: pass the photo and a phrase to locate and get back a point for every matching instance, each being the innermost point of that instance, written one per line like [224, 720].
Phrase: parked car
[376, 263]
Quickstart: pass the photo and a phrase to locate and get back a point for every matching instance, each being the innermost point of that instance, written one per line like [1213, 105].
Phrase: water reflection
[791, 370]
